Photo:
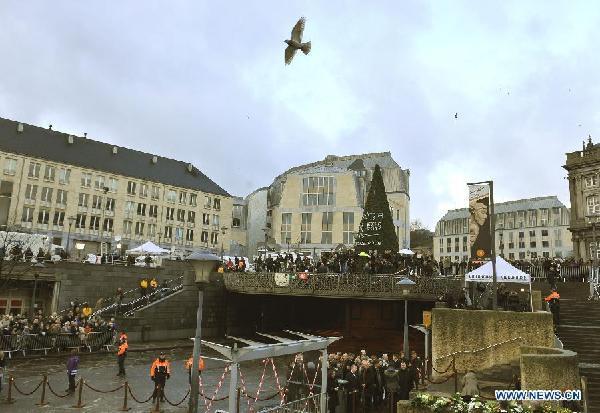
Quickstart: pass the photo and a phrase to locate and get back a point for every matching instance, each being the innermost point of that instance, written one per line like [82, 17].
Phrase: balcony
[379, 286]
[82, 208]
[61, 205]
[29, 201]
[42, 226]
[26, 224]
[109, 213]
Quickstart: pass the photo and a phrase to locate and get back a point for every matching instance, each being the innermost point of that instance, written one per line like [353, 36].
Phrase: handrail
[479, 349]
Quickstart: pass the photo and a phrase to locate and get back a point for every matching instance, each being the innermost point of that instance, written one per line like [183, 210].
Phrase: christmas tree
[376, 231]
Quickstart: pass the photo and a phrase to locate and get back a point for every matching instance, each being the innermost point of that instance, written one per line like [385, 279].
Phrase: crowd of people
[358, 380]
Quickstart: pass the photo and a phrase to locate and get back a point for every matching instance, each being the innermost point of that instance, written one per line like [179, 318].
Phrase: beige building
[317, 206]
[525, 229]
[584, 190]
[80, 191]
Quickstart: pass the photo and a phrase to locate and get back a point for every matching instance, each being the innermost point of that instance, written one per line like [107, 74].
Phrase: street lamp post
[36, 276]
[203, 264]
[70, 219]
[406, 283]
[223, 231]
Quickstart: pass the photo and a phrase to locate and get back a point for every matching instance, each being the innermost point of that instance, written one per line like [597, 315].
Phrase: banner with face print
[480, 238]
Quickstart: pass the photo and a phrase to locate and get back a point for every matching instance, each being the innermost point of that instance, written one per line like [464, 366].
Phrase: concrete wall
[454, 330]
[549, 368]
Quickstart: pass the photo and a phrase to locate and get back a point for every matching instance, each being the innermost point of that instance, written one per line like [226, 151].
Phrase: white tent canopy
[405, 251]
[506, 273]
[147, 248]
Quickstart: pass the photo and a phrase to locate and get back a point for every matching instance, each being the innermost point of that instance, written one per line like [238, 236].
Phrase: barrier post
[156, 407]
[9, 398]
[238, 399]
[125, 408]
[454, 373]
[79, 404]
[43, 398]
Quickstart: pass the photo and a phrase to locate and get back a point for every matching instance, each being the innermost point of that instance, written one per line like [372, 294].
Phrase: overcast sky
[205, 82]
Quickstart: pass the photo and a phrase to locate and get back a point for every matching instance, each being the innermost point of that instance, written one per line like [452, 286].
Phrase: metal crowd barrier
[310, 404]
[29, 343]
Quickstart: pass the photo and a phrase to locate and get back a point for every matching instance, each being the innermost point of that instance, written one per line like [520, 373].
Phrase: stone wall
[456, 330]
[549, 368]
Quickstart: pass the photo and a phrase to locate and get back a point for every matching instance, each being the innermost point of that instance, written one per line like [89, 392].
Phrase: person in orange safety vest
[121, 355]
[188, 366]
[553, 301]
[160, 372]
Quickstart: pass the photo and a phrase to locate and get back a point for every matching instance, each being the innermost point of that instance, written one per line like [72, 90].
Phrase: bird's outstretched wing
[298, 30]
[289, 54]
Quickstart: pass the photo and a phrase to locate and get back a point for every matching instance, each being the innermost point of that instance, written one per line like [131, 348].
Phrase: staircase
[580, 332]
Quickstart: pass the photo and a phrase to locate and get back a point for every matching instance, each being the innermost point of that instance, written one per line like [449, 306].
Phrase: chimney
[19, 127]
[115, 150]
[70, 139]
[190, 167]
[50, 127]
[154, 159]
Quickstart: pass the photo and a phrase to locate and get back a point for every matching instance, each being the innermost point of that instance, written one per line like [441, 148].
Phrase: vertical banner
[480, 239]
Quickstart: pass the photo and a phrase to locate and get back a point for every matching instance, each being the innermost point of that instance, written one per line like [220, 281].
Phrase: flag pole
[493, 236]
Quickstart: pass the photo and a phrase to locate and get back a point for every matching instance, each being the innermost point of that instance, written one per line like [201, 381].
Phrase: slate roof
[53, 146]
[510, 206]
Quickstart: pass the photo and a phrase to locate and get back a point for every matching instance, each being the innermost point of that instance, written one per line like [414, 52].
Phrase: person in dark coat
[332, 391]
[72, 365]
[405, 381]
[368, 382]
[351, 387]
[416, 367]
[391, 384]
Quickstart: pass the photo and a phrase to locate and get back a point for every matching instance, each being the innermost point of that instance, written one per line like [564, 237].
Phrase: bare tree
[18, 251]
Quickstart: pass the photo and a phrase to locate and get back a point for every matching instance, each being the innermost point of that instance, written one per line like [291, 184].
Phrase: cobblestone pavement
[99, 371]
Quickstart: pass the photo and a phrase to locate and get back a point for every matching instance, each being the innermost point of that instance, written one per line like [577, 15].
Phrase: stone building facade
[584, 190]
[80, 191]
[525, 229]
[317, 206]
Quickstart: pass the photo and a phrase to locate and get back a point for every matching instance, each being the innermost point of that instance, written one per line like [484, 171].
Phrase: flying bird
[456, 115]
[295, 42]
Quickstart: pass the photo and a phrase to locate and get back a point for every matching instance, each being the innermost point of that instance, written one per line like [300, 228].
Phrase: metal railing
[31, 343]
[310, 404]
[148, 299]
[339, 285]
[566, 273]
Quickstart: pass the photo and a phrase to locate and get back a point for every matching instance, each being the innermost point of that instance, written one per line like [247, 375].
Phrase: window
[215, 220]
[113, 184]
[31, 192]
[520, 219]
[191, 216]
[43, 216]
[286, 228]
[99, 183]
[64, 176]
[521, 235]
[129, 207]
[34, 169]
[533, 254]
[155, 192]
[557, 238]
[170, 213]
[181, 215]
[236, 222]
[10, 166]
[546, 254]
[83, 200]
[456, 245]
[545, 244]
[193, 199]
[80, 221]
[47, 194]
[205, 219]
[532, 218]
[141, 209]
[139, 228]
[511, 255]
[86, 180]
[61, 197]
[151, 230]
[171, 196]
[204, 236]
[465, 244]
[178, 234]
[318, 190]
[131, 186]
[448, 245]
[544, 233]
[532, 244]
[217, 204]
[97, 202]
[544, 218]
[127, 225]
[27, 214]
[326, 228]
[521, 244]
[143, 190]
[16, 307]
[189, 235]
[207, 202]
[521, 255]
[183, 198]
[153, 211]
[236, 214]
[108, 224]
[593, 205]
[49, 173]
[110, 204]
[305, 228]
[214, 238]
[94, 222]
[168, 231]
[591, 180]
[531, 234]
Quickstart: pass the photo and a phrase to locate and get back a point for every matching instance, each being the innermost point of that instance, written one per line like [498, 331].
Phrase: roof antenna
[50, 127]
[85, 134]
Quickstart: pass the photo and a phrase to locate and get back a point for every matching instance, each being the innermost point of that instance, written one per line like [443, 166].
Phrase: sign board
[427, 319]
[480, 239]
